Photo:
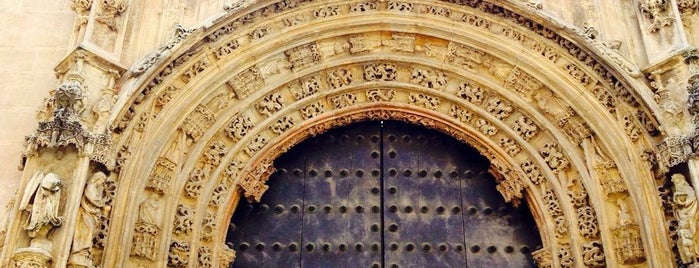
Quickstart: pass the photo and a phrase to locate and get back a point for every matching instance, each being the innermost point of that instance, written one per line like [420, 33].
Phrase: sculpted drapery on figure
[685, 210]
[41, 200]
[92, 207]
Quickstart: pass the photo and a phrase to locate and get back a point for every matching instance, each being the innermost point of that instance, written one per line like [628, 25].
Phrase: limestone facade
[174, 109]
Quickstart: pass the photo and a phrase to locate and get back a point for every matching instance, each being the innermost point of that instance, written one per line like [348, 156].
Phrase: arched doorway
[382, 194]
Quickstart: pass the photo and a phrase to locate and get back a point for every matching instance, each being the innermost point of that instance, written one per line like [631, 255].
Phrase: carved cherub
[41, 200]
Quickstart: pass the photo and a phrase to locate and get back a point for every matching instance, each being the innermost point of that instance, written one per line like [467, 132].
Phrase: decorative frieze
[380, 72]
[282, 125]
[376, 95]
[471, 92]
[339, 78]
[312, 110]
[178, 255]
[424, 100]
[400, 42]
[555, 159]
[428, 78]
[184, 220]
[239, 126]
[343, 100]
[465, 56]
[305, 88]
[270, 104]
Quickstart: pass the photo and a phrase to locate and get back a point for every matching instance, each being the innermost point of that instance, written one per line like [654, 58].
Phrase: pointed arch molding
[563, 121]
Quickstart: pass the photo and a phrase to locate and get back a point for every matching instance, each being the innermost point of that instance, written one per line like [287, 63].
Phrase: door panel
[420, 198]
[382, 194]
[343, 168]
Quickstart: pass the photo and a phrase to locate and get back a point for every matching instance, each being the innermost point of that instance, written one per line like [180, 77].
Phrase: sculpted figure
[685, 209]
[41, 199]
[92, 207]
[552, 105]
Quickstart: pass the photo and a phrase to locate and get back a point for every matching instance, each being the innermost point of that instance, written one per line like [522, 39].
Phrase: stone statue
[92, 207]
[685, 209]
[41, 200]
[552, 105]
[146, 211]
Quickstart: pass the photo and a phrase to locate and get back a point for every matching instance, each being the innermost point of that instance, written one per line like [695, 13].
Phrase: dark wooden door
[382, 194]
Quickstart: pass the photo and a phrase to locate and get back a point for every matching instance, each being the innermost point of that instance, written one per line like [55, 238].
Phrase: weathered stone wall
[36, 35]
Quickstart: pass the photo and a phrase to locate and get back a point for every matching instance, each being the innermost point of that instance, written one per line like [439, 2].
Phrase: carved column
[64, 151]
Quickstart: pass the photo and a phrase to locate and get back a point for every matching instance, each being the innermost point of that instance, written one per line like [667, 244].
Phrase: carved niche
[628, 245]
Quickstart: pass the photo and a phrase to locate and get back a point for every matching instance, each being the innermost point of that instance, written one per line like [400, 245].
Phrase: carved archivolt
[533, 114]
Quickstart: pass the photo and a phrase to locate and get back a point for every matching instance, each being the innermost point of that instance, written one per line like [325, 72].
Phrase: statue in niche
[685, 209]
[41, 200]
[92, 207]
[102, 108]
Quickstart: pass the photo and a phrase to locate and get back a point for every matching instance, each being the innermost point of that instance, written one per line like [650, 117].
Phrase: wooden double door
[382, 194]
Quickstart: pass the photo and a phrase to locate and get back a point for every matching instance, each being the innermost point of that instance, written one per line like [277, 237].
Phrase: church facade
[586, 112]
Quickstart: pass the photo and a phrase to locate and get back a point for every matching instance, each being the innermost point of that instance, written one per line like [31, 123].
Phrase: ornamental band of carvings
[178, 255]
[303, 56]
[159, 179]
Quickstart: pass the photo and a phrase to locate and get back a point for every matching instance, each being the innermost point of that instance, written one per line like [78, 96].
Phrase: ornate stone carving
[110, 10]
[339, 78]
[628, 244]
[511, 187]
[424, 100]
[82, 8]
[307, 87]
[41, 200]
[428, 78]
[226, 256]
[519, 81]
[400, 42]
[215, 150]
[343, 100]
[471, 93]
[460, 114]
[532, 170]
[500, 108]
[437, 11]
[220, 192]
[197, 122]
[184, 220]
[400, 6]
[282, 125]
[146, 233]
[327, 11]
[253, 181]
[151, 59]
[555, 107]
[163, 172]
[256, 144]
[510, 146]
[687, 7]
[239, 127]
[565, 256]
[554, 157]
[204, 258]
[260, 32]
[380, 72]
[270, 104]
[543, 258]
[684, 201]
[554, 209]
[593, 255]
[654, 10]
[464, 56]
[360, 44]
[60, 121]
[525, 127]
[194, 184]
[363, 6]
[226, 49]
[195, 69]
[92, 208]
[208, 226]
[312, 110]
[485, 127]
[375, 95]
[303, 56]
[30, 258]
[672, 151]
[246, 82]
[178, 255]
